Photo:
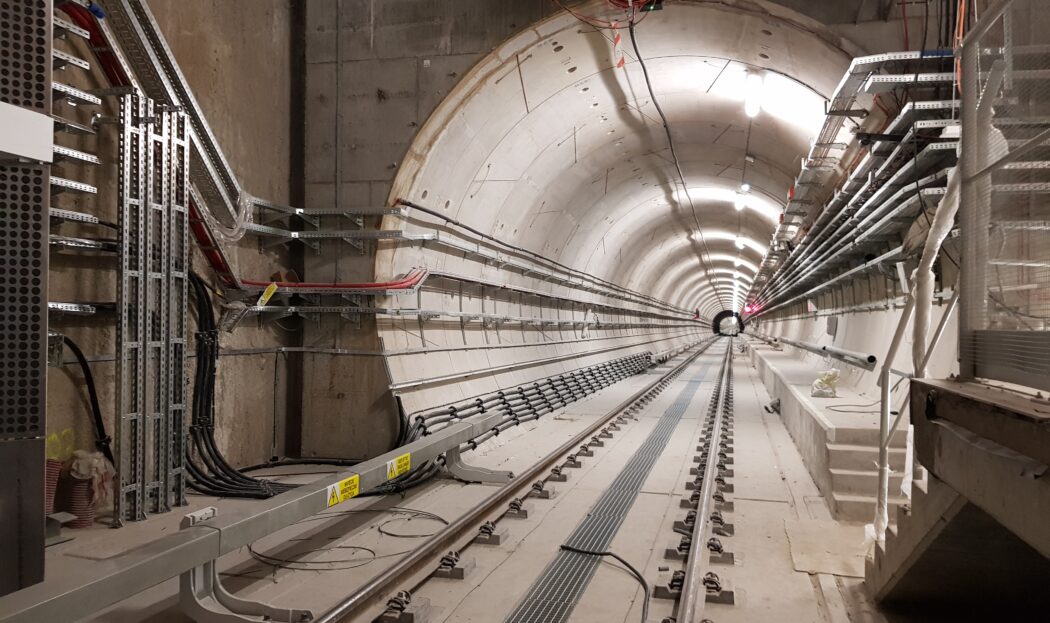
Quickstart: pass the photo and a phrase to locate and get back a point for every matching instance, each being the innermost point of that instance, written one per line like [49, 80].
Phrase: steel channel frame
[131, 24]
[131, 326]
[862, 70]
[151, 301]
[693, 598]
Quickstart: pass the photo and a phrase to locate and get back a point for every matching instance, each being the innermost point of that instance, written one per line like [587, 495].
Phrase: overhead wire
[604, 23]
[677, 163]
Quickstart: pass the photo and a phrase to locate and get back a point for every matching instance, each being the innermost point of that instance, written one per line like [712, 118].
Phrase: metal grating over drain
[554, 594]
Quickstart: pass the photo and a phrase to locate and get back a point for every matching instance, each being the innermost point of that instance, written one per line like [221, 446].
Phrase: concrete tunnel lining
[546, 145]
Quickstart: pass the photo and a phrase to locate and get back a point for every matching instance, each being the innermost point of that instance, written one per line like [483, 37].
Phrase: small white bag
[824, 386]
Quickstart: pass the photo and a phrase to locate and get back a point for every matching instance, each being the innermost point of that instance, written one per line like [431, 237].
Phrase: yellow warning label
[267, 294]
[397, 466]
[344, 490]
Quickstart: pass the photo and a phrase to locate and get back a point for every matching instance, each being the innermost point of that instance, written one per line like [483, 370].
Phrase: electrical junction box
[26, 135]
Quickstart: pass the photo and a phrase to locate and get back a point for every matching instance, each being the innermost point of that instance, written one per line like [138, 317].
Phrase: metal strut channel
[554, 594]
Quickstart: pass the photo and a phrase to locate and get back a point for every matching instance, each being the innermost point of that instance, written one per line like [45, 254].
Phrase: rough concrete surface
[235, 55]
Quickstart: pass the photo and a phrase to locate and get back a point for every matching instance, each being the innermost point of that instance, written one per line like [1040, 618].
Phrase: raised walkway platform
[837, 437]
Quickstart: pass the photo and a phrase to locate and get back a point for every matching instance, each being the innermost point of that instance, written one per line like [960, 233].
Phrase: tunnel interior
[533, 311]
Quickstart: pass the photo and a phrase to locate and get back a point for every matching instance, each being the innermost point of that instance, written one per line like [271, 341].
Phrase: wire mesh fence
[1005, 211]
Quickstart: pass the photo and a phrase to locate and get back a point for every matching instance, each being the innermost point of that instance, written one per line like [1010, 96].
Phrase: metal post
[882, 496]
[937, 334]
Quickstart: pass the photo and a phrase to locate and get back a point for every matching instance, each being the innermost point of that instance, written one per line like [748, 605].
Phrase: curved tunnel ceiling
[546, 144]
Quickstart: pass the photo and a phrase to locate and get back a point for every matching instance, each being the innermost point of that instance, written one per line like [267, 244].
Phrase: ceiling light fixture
[753, 87]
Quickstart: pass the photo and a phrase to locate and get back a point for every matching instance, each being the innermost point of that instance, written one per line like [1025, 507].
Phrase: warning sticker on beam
[344, 490]
[397, 466]
[266, 295]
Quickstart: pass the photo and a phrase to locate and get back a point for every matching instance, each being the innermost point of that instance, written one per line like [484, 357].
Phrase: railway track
[389, 595]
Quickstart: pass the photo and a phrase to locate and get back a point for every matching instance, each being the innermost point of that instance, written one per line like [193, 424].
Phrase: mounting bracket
[203, 598]
[455, 466]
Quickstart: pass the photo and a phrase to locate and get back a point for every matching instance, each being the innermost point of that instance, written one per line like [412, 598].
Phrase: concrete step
[867, 436]
[864, 481]
[932, 505]
[861, 457]
[856, 507]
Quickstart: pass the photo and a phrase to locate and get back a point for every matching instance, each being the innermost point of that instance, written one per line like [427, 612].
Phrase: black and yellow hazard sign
[398, 465]
[344, 490]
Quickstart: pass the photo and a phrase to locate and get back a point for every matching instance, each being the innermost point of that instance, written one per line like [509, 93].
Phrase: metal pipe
[694, 595]
[403, 568]
[767, 340]
[73, 598]
[859, 360]
[864, 358]
[882, 517]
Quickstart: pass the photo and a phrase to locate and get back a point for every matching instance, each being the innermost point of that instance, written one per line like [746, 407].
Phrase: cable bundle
[213, 475]
[518, 405]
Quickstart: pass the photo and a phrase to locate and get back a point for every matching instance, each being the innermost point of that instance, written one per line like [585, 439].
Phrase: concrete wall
[237, 57]
[375, 72]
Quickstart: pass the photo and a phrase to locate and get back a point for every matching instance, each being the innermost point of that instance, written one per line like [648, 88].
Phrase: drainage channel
[554, 595]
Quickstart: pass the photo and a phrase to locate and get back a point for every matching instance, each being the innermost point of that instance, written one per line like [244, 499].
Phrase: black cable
[674, 157]
[536, 256]
[521, 404]
[300, 461]
[381, 529]
[102, 440]
[637, 575]
[213, 475]
[925, 25]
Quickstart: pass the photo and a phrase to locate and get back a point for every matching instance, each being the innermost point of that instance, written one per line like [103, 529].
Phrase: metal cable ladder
[152, 295]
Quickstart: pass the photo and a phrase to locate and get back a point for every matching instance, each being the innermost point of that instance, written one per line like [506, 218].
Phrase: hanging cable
[102, 440]
[210, 473]
[677, 164]
[605, 24]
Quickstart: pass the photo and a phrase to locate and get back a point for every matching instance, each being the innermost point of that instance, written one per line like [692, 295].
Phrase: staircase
[947, 556]
[853, 465]
[933, 505]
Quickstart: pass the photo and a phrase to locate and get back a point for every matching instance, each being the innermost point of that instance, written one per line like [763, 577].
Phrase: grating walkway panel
[554, 594]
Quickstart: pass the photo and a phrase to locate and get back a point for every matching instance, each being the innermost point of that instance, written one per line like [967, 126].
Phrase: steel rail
[463, 529]
[694, 594]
